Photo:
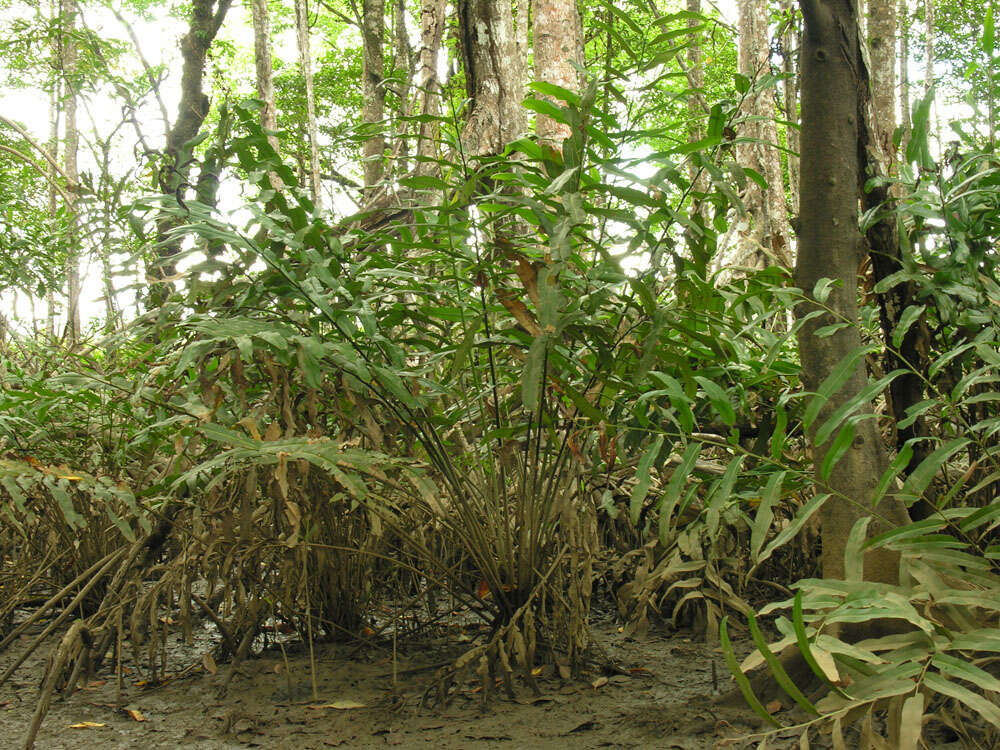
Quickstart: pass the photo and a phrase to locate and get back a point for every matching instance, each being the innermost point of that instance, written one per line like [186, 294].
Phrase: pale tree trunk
[372, 90]
[790, 41]
[830, 246]
[431, 32]
[522, 22]
[403, 73]
[695, 79]
[493, 76]
[265, 77]
[767, 239]
[55, 103]
[263, 67]
[929, 11]
[882, 46]
[558, 44]
[112, 316]
[904, 67]
[206, 19]
[69, 58]
[928, 45]
[697, 109]
[305, 65]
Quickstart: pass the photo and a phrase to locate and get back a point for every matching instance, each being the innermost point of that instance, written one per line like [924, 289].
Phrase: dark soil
[651, 693]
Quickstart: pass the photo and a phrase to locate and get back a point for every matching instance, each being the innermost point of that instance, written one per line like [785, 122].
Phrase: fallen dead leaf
[87, 725]
[135, 713]
[209, 663]
[339, 705]
[599, 682]
[773, 706]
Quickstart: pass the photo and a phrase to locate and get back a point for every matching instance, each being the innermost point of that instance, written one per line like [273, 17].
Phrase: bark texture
[790, 41]
[263, 67]
[904, 67]
[928, 45]
[830, 246]
[493, 76]
[206, 19]
[305, 65]
[558, 44]
[882, 45]
[55, 114]
[71, 147]
[429, 98]
[695, 79]
[768, 238]
[373, 90]
[879, 123]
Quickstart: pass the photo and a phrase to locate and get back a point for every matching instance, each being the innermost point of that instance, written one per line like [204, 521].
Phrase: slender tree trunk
[305, 65]
[263, 67]
[403, 74]
[695, 78]
[887, 259]
[882, 25]
[265, 78]
[431, 32]
[769, 238]
[522, 23]
[790, 42]
[69, 58]
[493, 76]
[206, 19]
[111, 314]
[558, 44]
[830, 246]
[55, 108]
[697, 109]
[928, 45]
[372, 90]
[904, 67]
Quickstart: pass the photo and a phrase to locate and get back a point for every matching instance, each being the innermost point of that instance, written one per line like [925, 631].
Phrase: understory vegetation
[521, 386]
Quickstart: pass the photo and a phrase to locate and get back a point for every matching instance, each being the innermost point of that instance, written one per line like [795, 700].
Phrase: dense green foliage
[523, 380]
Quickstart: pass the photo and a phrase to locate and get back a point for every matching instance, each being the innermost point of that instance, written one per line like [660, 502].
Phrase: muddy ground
[655, 692]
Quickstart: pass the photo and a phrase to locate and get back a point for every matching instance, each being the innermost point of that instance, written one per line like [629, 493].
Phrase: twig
[75, 633]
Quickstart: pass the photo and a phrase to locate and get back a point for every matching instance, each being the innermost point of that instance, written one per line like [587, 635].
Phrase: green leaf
[765, 513]
[678, 399]
[643, 476]
[532, 376]
[910, 315]
[833, 383]
[853, 404]
[805, 648]
[918, 481]
[778, 437]
[741, 679]
[979, 705]
[798, 521]
[900, 462]
[672, 493]
[719, 398]
[823, 287]
[854, 558]
[778, 671]
[556, 92]
[989, 34]
[964, 670]
[837, 450]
